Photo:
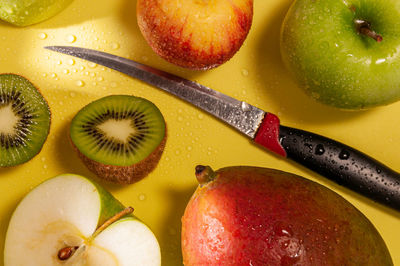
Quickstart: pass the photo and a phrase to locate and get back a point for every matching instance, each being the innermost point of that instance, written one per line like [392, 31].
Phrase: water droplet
[70, 38]
[115, 46]
[71, 62]
[72, 94]
[142, 197]
[380, 61]
[66, 71]
[92, 65]
[245, 72]
[200, 116]
[113, 84]
[100, 79]
[319, 149]
[245, 107]
[79, 83]
[344, 155]
[180, 118]
[42, 36]
[9, 10]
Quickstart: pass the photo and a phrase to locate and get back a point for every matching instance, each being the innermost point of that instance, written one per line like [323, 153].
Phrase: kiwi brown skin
[50, 118]
[124, 175]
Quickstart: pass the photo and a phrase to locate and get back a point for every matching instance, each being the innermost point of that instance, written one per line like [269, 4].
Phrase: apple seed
[66, 253]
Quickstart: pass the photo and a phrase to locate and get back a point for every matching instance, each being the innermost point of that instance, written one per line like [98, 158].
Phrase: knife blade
[334, 160]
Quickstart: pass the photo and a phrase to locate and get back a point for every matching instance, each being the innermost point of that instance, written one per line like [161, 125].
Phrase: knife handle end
[342, 164]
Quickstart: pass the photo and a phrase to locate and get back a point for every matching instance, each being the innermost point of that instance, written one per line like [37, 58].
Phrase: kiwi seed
[24, 120]
[120, 138]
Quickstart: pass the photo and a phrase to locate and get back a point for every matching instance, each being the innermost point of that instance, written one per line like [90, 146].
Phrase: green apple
[70, 219]
[27, 12]
[344, 53]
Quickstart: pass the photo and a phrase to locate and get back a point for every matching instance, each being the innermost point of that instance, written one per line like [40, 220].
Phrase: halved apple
[71, 220]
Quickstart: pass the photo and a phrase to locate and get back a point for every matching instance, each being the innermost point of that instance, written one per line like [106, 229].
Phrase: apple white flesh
[65, 211]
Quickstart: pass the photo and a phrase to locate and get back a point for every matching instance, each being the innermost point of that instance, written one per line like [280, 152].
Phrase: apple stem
[113, 219]
[204, 174]
[364, 27]
[67, 252]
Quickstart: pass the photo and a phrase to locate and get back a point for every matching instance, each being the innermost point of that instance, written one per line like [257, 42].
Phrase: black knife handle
[342, 164]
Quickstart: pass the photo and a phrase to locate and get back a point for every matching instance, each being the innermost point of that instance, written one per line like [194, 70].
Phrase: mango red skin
[258, 216]
[166, 35]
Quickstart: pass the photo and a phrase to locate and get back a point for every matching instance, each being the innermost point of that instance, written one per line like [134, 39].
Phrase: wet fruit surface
[257, 216]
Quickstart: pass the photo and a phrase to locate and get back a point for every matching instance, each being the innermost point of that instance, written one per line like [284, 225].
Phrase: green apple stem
[364, 27]
[204, 174]
[67, 252]
[113, 219]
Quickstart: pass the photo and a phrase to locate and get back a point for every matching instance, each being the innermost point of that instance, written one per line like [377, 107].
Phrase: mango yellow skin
[259, 216]
[332, 62]
[28, 12]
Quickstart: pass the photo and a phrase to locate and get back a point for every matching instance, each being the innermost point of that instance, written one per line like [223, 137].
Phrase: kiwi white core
[118, 129]
[64, 212]
[8, 120]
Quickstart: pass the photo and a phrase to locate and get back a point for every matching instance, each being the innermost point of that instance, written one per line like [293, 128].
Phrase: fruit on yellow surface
[25, 119]
[119, 137]
[258, 216]
[70, 220]
[344, 53]
[27, 12]
[196, 34]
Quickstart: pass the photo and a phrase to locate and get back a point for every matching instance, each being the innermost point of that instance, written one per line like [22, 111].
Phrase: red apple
[196, 34]
[259, 216]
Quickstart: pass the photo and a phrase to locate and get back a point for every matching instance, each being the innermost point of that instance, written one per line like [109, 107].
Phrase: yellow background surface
[255, 75]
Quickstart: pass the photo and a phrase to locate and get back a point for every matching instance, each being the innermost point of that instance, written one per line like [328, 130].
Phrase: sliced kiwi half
[24, 120]
[119, 137]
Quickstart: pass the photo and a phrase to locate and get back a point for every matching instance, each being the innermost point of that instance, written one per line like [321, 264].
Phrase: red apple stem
[67, 252]
[364, 27]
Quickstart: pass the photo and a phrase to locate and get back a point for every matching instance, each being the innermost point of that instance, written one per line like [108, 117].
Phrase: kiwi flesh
[24, 120]
[120, 137]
